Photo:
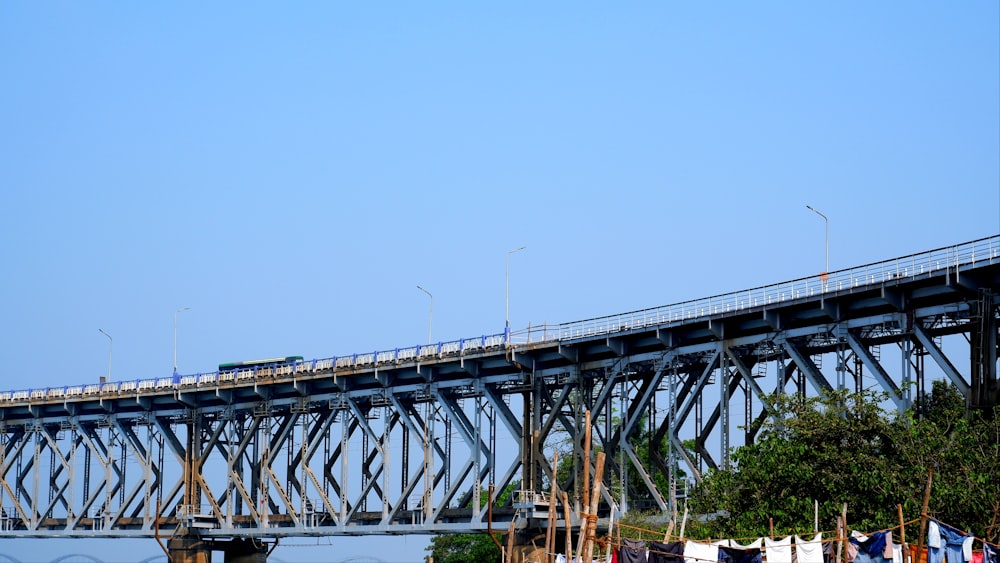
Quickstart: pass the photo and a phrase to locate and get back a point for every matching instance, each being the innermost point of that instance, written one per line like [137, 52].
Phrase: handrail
[912, 266]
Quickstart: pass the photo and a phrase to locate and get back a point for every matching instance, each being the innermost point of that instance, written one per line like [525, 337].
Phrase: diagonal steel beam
[877, 370]
[942, 361]
[807, 367]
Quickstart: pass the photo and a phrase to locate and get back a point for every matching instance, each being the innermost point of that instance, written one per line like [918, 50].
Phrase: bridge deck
[409, 440]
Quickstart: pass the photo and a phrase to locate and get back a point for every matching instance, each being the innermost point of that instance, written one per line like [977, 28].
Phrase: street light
[111, 345]
[507, 292]
[430, 319]
[826, 273]
[181, 310]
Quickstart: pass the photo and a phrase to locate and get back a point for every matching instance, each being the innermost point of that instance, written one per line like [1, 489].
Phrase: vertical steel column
[698, 428]
[147, 478]
[404, 466]
[366, 474]
[477, 485]
[671, 453]
[428, 481]
[447, 454]
[908, 357]
[109, 451]
[305, 507]
[345, 434]
[72, 474]
[52, 486]
[983, 339]
[386, 467]
[493, 445]
[86, 478]
[36, 471]
[724, 398]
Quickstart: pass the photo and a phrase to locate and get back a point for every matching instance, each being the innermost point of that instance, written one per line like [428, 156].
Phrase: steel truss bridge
[410, 440]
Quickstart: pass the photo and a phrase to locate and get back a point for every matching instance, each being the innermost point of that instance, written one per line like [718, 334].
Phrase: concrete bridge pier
[189, 549]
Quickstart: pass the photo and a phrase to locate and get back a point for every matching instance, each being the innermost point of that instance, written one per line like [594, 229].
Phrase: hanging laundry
[778, 551]
[809, 550]
[887, 551]
[736, 553]
[632, 551]
[897, 553]
[943, 541]
[666, 552]
[870, 548]
[830, 554]
[700, 552]
[989, 554]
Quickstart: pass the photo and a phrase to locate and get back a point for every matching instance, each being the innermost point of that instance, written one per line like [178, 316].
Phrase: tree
[843, 447]
[462, 548]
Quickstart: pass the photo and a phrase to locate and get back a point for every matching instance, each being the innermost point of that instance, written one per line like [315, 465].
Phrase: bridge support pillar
[245, 550]
[189, 549]
[529, 546]
[985, 391]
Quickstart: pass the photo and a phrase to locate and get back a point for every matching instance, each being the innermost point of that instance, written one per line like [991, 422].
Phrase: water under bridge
[413, 440]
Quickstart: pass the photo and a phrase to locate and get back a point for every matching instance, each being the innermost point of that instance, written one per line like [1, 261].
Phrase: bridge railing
[971, 253]
[181, 382]
[913, 266]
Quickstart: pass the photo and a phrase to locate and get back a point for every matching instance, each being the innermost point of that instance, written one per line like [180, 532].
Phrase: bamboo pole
[902, 533]
[611, 528]
[923, 515]
[509, 554]
[567, 511]
[840, 534]
[595, 501]
[586, 460]
[843, 539]
[550, 531]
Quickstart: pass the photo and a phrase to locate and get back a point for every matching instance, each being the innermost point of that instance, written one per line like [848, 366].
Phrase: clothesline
[667, 537]
[939, 521]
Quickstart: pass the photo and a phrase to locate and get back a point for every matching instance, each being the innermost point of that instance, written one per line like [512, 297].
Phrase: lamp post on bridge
[826, 273]
[430, 317]
[506, 329]
[111, 345]
[181, 310]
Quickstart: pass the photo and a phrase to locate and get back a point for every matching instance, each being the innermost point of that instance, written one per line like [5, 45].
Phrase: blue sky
[291, 173]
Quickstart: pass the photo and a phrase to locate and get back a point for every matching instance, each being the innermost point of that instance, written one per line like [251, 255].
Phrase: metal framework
[411, 443]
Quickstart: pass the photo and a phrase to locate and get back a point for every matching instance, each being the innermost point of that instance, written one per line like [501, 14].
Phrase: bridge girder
[334, 451]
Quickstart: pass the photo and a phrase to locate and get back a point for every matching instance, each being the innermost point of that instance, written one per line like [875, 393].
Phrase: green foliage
[462, 548]
[843, 448]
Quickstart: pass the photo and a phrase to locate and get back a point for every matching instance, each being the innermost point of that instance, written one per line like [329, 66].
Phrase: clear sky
[291, 172]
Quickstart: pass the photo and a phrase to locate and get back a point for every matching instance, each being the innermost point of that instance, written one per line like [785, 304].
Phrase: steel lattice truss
[333, 463]
[416, 445]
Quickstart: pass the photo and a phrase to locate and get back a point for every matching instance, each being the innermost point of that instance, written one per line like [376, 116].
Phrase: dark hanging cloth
[739, 555]
[632, 551]
[871, 550]
[989, 554]
[829, 556]
[672, 552]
